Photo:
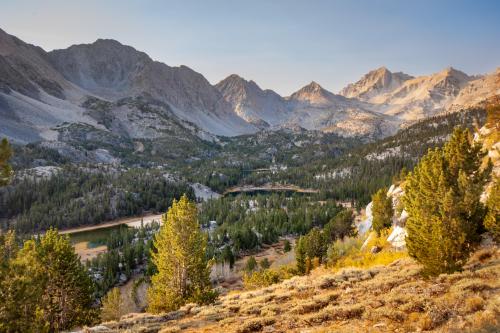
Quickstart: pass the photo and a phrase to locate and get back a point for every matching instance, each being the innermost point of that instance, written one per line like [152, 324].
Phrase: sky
[281, 45]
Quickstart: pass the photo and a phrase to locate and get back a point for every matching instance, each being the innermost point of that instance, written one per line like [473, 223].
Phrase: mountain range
[113, 88]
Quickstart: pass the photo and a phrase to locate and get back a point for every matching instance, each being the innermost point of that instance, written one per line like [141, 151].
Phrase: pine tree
[47, 278]
[112, 305]
[340, 226]
[183, 269]
[492, 219]
[265, 264]
[5, 169]
[442, 200]
[287, 247]
[315, 244]
[67, 296]
[300, 256]
[382, 210]
[20, 283]
[228, 256]
[251, 264]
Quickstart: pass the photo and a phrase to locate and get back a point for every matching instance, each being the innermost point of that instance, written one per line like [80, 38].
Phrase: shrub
[265, 264]
[266, 277]
[251, 264]
[343, 247]
[254, 325]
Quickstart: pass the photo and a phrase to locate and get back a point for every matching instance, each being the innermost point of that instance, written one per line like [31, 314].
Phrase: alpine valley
[140, 197]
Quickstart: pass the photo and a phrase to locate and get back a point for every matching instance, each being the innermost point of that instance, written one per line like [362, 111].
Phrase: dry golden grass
[378, 299]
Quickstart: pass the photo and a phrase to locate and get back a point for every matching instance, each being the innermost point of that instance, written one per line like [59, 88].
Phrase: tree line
[76, 196]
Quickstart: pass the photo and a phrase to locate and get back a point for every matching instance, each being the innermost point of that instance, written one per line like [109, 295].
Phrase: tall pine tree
[442, 199]
[183, 269]
[112, 305]
[46, 277]
[300, 255]
[5, 155]
[492, 220]
[67, 296]
[382, 210]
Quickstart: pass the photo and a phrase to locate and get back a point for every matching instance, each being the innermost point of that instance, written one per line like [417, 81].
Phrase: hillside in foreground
[392, 298]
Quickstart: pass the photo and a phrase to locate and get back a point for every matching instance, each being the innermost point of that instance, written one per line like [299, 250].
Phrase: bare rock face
[24, 68]
[263, 108]
[40, 91]
[477, 91]
[314, 107]
[105, 68]
[374, 84]
[113, 71]
[425, 96]
[409, 99]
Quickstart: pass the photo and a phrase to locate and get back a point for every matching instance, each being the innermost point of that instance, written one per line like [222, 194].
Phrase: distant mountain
[40, 91]
[424, 96]
[112, 71]
[315, 95]
[262, 108]
[114, 90]
[375, 84]
[477, 91]
[314, 107]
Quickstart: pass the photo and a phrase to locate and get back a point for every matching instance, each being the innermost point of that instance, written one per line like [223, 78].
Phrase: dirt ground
[87, 253]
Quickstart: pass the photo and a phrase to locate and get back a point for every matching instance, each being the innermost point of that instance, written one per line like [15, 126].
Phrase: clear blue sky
[282, 45]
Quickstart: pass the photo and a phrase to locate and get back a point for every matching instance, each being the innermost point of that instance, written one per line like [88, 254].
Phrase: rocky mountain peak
[259, 107]
[374, 83]
[313, 87]
[314, 94]
[453, 73]
[235, 84]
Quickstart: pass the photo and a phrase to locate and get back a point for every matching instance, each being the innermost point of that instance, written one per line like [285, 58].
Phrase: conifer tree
[112, 305]
[47, 278]
[265, 264]
[20, 283]
[183, 269]
[228, 256]
[251, 264]
[287, 246]
[382, 210]
[5, 155]
[442, 200]
[492, 219]
[300, 255]
[315, 244]
[67, 296]
[340, 226]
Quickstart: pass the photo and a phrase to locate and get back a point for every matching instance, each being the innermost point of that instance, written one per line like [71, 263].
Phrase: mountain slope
[424, 96]
[263, 108]
[477, 91]
[380, 299]
[374, 84]
[113, 71]
[40, 91]
[314, 107]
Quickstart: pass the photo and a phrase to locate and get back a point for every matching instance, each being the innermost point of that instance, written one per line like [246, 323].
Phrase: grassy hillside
[379, 299]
